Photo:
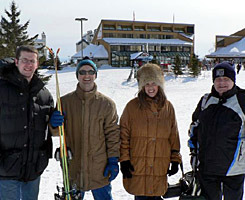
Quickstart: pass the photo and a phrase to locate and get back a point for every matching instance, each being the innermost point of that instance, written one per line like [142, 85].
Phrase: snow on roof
[187, 36]
[93, 51]
[141, 55]
[128, 41]
[135, 55]
[237, 49]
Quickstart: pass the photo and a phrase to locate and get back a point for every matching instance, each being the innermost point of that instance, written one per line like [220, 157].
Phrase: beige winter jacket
[93, 135]
[150, 140]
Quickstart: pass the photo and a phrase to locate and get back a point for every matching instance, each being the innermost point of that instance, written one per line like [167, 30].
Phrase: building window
[158, 48]
[139, 28]
[153, 28]
[221, 43]
[167, 29]
[109, 35]
[179, 48]
[124, 35]
[152, 36]
[115, 48]
[108, 27]
[190, 29]
[165, 48]
[151, 48]
[124, 28]
[169, 36]
[124, 48]
[186, 49]
[179, 30]
[135, 48]
[173, 48]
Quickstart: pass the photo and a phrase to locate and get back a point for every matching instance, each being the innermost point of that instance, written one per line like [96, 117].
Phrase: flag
[133, 16]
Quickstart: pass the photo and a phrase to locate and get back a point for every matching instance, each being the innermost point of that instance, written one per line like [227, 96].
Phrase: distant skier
[238, 67]
[217, 136]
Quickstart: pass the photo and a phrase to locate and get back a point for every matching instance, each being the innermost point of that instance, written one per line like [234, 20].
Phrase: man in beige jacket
[92, 134]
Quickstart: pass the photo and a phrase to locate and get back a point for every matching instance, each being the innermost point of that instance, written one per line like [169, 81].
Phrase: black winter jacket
[218, 132]
[25, 142]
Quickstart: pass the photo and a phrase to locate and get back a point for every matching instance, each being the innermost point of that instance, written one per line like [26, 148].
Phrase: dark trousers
[147, 198]
[214, 187]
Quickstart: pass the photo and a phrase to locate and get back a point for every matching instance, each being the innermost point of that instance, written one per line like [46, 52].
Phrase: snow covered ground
[184, 92]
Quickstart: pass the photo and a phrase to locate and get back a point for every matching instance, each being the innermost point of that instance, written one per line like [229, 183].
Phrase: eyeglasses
[84, 72]
[25, 61]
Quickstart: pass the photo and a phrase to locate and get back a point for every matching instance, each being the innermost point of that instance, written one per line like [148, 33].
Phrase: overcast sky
[57, 18]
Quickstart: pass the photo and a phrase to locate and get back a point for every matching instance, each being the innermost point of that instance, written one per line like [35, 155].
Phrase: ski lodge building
[230, 47]
[162, 41]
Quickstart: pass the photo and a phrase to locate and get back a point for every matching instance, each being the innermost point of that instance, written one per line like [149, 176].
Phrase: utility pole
[81, 20]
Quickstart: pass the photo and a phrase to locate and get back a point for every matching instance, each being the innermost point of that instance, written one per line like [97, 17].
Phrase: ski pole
[63, 150]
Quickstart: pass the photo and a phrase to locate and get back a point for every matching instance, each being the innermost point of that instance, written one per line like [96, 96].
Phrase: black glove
[126, 168]
[174, 168]
[57, 155]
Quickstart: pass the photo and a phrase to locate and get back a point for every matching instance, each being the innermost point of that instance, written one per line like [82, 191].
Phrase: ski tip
[50, 50]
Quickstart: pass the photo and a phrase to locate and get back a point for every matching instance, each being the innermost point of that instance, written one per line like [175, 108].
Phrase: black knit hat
[224, 69]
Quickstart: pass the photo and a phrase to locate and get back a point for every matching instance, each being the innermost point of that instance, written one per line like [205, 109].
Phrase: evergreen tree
[12, 33]
[177, 66]
[195, 68]
[51, 61]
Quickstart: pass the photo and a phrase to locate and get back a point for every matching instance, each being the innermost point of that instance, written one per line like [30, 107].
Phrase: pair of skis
[64, 193]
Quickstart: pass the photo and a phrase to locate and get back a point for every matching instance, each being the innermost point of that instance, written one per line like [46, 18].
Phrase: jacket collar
[85, 95]
[11, 74]
[225, 95]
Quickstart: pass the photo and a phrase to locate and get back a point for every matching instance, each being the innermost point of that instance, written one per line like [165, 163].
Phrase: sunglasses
[84, 72]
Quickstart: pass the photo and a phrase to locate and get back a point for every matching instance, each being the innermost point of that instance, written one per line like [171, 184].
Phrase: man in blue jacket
[25, 143]
[217, 136]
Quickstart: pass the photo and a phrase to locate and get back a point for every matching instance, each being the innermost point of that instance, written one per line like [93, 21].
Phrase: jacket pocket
[101, 129]
[11, 165]
[98, 164]
[42, 161]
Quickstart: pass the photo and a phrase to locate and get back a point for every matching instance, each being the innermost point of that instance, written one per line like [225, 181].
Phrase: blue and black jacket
[217, 133]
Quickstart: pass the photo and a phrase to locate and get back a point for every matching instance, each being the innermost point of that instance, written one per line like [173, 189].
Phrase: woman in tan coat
[149, 138]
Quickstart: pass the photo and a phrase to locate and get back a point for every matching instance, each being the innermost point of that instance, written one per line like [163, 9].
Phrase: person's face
[151, 89]
[223, 84]
[27, 64]
[86, 77]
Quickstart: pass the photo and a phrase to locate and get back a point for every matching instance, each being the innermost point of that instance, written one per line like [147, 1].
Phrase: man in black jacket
[217, 135]
[25, 142]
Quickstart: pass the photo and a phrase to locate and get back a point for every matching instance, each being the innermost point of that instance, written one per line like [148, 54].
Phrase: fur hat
[150, 72]
[86, 61]
[224, 69]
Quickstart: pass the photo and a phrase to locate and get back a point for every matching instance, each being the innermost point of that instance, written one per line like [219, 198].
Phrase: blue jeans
[100, 193]
[18, 190]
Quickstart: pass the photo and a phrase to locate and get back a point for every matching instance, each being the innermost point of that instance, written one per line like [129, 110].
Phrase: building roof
[129, 41]
[237, 49]
[112, 20]
[93, 51]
